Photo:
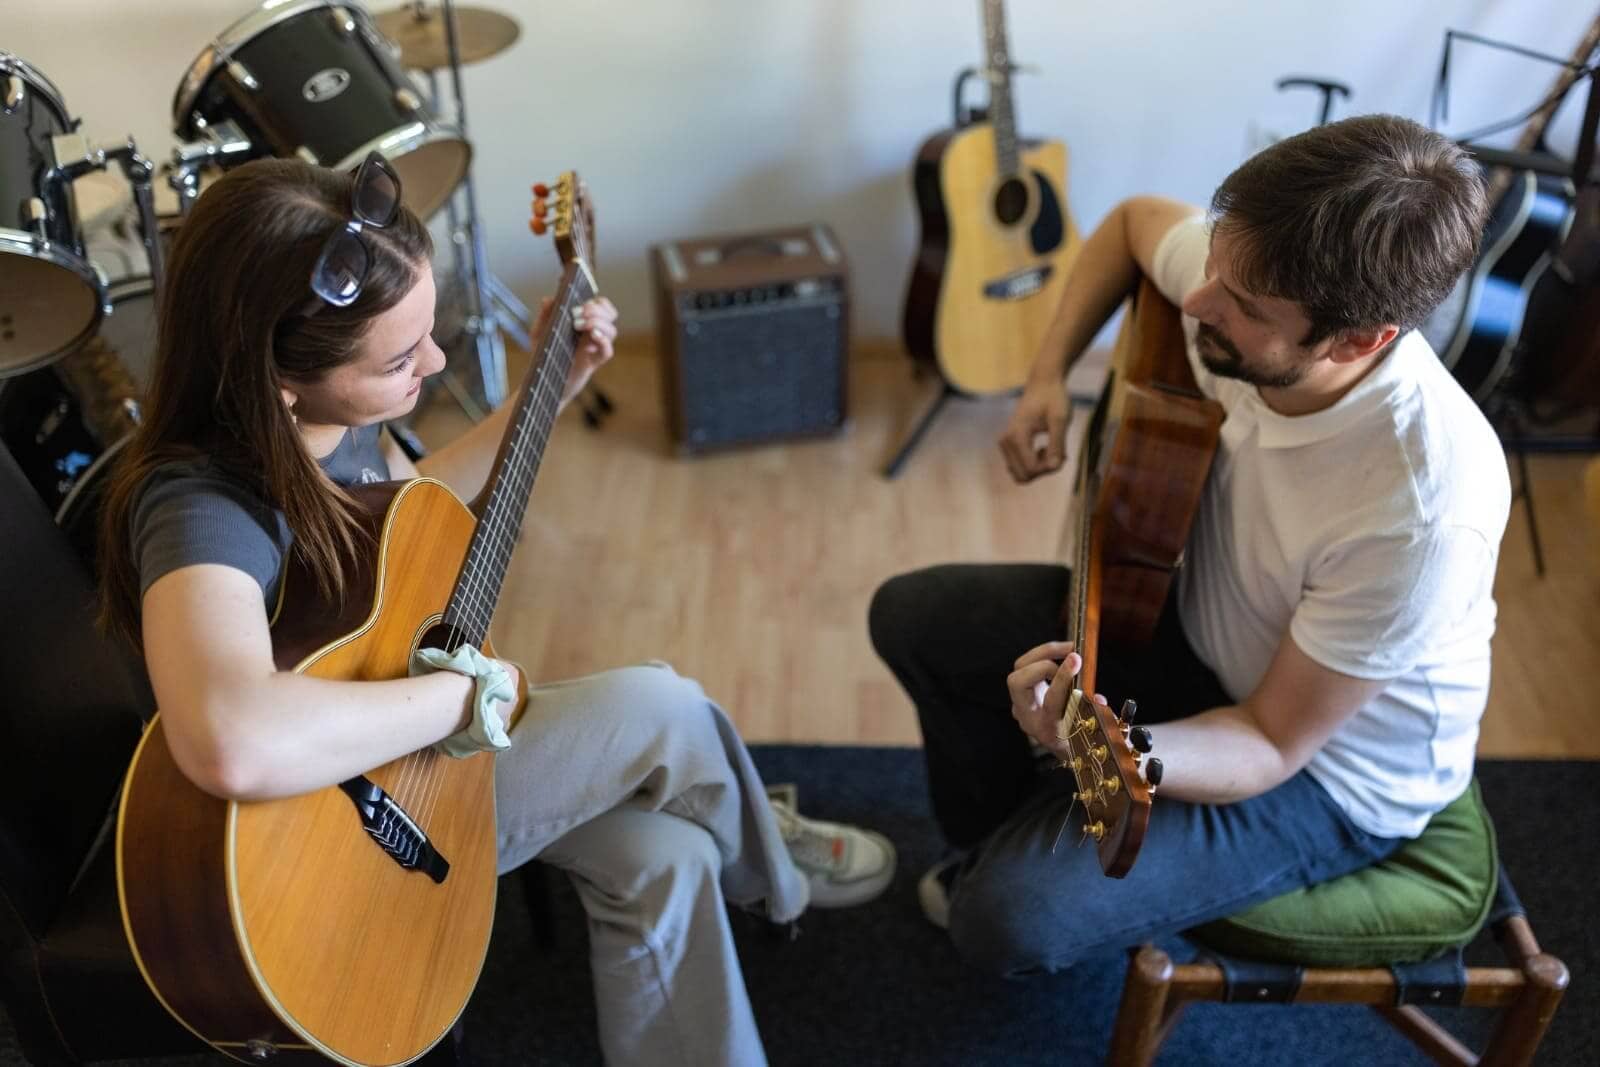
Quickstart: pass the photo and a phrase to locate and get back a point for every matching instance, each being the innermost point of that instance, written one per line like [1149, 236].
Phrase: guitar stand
[946, 391]
[596, 405]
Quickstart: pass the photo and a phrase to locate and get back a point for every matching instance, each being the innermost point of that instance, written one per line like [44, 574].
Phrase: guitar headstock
[1114, 793]
[565, 211]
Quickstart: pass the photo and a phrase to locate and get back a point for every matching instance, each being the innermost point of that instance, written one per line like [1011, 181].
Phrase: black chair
[70, 716]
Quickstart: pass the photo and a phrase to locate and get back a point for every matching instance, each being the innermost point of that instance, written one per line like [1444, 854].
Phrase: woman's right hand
[1035, 440]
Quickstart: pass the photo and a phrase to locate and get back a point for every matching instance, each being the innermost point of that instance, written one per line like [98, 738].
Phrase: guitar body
[1147, 454]
[280, 926]
[993, 257]
[1478, 329]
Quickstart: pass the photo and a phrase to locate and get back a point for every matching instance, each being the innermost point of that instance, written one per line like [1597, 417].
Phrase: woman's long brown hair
[234, 328]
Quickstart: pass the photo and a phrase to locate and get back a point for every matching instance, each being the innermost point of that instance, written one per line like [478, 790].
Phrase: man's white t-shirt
[1368, 532]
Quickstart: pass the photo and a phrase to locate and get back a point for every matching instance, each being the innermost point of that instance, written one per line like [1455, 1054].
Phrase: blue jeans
[951, 634]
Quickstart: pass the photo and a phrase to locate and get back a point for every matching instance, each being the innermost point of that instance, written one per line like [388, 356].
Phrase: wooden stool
[1307, 947]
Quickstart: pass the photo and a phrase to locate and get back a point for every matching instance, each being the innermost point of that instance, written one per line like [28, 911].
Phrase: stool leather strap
[1255, 982]
[1436, 981]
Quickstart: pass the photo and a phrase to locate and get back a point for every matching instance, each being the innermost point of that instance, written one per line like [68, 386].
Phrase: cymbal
[480, 33]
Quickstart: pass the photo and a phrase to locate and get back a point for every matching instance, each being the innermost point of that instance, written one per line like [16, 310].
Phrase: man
[1316, 682]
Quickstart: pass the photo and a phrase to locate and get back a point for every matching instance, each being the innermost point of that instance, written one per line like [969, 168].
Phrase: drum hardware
[218, 144]
[80, 159]
[343, 20]
[241, 74]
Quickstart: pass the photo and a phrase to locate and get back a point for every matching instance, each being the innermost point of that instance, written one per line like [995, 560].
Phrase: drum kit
[320, 80]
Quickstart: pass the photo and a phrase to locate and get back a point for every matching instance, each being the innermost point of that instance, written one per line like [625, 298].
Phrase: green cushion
[1433, 894]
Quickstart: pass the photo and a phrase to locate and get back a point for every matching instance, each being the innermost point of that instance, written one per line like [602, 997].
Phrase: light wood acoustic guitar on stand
[350, 923]
[997, 239]
[1144, 461]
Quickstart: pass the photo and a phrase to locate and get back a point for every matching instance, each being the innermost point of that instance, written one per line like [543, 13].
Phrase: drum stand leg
[490, 306]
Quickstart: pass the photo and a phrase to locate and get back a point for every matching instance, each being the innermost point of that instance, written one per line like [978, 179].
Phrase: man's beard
[1225, 361]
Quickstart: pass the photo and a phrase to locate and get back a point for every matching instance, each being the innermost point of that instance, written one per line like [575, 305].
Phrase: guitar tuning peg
[1139, 738]
[1129, 710]
[537, 225]
[540, 208]
[1152, 771]
[540, 189]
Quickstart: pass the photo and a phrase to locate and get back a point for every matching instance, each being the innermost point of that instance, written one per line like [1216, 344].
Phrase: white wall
[696, 116]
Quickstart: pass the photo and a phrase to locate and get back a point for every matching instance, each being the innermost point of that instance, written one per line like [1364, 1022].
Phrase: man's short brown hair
[1363, 222]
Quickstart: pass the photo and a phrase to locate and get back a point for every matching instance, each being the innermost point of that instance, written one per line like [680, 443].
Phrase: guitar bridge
[394, 831]
[1018, 285]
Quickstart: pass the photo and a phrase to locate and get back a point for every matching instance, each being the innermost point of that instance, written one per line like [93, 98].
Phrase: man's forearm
[1218, 757]
[1101, 277]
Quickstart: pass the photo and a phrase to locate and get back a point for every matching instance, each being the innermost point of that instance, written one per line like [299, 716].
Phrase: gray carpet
[877, 985]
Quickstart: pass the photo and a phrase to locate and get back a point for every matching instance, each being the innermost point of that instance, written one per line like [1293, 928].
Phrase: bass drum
[78, 515]
[51, 298]
[42, 424]
[315, 80]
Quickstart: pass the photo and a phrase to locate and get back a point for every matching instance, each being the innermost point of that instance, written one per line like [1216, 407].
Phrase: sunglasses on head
[346, 260]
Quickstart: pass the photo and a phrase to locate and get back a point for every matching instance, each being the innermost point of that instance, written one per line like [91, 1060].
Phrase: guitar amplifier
[753, 336]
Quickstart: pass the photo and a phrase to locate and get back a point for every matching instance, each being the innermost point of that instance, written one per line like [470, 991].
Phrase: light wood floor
[752, 570]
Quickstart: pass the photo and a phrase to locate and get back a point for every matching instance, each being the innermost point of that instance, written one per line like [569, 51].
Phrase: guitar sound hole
[442, 635]
[1011, 201]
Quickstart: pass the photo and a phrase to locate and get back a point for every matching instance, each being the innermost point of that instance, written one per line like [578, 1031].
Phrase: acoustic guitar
[350, 923]
[996, 243]
[1146, 454]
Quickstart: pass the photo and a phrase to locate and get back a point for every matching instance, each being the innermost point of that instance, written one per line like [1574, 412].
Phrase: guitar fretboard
[997, 60]
[477, 589]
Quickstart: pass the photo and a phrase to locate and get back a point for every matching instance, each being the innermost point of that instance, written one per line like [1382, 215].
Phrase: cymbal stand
[491, 307]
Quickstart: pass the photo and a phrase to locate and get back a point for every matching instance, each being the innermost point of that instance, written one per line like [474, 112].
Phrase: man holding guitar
[297, 318]
[1316, 682]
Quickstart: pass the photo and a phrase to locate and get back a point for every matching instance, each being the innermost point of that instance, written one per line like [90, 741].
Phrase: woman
[297, 317]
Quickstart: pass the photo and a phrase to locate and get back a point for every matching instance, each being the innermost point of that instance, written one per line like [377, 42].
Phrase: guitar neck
[997, 61]
[505, 498]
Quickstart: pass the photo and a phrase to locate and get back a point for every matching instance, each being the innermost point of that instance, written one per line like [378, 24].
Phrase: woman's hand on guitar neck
[1035, 440]
[597, 326]
[1039, 688]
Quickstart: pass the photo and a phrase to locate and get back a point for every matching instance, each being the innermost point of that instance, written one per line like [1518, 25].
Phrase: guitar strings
[516, 478]
[477, 579]
[414, 782]
[491, 550]
[487, 553]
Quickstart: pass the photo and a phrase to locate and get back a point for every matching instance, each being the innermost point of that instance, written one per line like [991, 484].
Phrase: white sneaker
[845, 865]
[933, 892]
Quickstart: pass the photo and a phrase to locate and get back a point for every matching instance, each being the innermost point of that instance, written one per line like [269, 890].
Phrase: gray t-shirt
[195, 512]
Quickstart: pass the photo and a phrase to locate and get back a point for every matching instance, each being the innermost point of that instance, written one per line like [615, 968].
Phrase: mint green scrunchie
[492, 682]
